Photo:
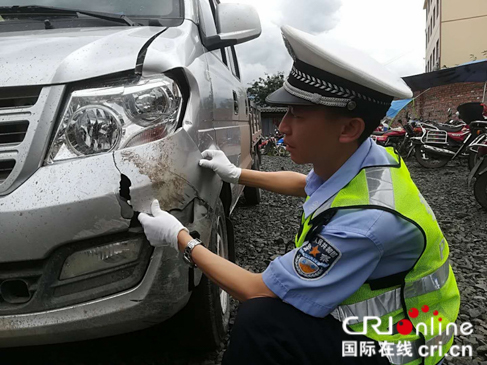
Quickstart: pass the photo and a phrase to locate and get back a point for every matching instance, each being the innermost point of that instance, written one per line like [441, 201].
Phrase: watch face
[187, 251]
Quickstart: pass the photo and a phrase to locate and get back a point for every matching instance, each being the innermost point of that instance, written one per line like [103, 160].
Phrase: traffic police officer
[368, 245]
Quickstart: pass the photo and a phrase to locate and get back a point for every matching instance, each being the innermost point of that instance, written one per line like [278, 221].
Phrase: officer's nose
[285, 126]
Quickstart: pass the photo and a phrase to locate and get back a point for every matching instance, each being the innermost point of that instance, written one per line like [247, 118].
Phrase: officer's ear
[351, 129]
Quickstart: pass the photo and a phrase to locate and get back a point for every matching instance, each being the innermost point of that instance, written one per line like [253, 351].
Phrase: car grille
[15, 97]
[14, 114]
[26, 120]
[6, 168]
[13, 133]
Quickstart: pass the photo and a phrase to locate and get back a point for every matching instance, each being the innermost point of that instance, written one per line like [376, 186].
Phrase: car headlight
[101, 120]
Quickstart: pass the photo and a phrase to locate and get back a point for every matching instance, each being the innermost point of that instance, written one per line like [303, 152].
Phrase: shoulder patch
[315, 258]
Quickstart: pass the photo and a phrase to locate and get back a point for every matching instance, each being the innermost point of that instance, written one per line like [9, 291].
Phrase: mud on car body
[99, 115]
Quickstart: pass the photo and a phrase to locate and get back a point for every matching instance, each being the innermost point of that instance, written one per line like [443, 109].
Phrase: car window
[231, 57]
[236, 70]
[207, 18]
[139, 8]
[208, 24]
[222, 54]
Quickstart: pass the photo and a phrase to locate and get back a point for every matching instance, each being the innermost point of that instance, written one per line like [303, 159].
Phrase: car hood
[67, 55]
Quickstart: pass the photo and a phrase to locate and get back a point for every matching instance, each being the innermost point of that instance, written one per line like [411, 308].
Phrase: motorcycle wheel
[480, 190]
[281, 151]
[429, 160]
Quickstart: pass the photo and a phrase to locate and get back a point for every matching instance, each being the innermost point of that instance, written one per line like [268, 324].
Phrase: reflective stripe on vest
[390, 301]
[381, 191]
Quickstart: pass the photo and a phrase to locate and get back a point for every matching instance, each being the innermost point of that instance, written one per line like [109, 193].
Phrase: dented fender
[168, 170]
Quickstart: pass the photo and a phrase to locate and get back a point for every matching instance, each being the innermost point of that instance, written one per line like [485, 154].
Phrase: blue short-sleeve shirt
[355, 246]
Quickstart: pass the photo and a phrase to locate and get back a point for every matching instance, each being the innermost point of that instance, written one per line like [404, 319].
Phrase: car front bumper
[74, 203]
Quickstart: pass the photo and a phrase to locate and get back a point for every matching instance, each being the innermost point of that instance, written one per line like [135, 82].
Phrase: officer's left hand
[162, 229]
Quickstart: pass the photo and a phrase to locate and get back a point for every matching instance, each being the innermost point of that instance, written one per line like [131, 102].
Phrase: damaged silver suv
[105, 106]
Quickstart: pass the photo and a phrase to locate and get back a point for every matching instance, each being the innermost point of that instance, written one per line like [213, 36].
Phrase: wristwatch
[189, 249]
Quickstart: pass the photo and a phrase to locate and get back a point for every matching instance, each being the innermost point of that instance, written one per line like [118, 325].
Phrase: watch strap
[187, 254]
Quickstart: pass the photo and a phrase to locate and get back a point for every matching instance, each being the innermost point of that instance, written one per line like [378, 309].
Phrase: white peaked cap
[328, 72]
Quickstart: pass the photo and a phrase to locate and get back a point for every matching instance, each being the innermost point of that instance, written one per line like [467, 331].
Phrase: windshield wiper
[119, 18]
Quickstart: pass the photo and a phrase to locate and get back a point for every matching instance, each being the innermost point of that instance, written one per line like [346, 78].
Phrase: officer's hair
[371, 118]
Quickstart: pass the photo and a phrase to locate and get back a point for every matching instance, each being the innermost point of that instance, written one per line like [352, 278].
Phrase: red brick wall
[434, 103]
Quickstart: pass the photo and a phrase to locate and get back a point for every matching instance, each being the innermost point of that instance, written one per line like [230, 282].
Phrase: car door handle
[235, 103]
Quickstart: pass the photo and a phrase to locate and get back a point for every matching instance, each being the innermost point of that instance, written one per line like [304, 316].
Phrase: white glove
[162, 229]
[221, 165]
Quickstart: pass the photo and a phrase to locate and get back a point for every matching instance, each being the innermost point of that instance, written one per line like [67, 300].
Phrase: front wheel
[282, 151]
[208, 310]
[480, 190]
[430, 160]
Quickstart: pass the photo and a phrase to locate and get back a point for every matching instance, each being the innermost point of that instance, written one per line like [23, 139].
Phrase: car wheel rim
[221, 251]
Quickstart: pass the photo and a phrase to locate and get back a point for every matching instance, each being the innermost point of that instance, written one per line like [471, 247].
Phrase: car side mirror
[236, 23]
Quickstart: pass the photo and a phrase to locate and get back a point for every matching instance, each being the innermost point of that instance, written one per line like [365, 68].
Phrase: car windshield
[132, 8]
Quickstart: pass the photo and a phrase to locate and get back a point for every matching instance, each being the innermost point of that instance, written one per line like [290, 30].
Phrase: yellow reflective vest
[426, 296]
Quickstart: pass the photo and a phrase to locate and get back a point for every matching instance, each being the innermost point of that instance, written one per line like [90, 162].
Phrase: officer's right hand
[162, 229]
[218, 162]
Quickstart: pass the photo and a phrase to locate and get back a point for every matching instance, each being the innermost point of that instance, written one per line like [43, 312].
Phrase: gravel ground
[266, 231]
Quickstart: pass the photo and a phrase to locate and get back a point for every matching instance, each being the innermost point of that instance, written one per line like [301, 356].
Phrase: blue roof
[396, 107]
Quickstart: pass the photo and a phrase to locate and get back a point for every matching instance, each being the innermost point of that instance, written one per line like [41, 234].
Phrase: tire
[282, 151]
[480, 190]
[207, 314]
[259, 155]
[428, 160]
[252, 195]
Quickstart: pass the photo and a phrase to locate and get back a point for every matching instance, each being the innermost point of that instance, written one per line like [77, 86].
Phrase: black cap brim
[282, 97]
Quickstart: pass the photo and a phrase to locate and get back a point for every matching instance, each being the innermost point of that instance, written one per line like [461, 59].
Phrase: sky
[391, 31]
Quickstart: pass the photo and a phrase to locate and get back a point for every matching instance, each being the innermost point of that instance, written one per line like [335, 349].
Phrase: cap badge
[351, 105]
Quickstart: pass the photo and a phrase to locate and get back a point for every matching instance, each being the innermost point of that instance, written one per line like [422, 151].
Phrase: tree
[265, 86]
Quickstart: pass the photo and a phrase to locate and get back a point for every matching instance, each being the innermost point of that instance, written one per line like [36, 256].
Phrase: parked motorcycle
[392, 137]
[414, 132]
[446, 142]
[267, 145]
[280, 149]
[479, 171]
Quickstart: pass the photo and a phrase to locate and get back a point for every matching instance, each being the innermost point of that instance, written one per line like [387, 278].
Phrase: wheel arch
[226, 198]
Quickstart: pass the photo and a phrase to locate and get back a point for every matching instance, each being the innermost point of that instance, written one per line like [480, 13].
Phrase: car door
[230, 109]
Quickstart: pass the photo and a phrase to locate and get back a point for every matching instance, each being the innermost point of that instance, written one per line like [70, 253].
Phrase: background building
[454, 32]
[271, 118]
[454, 36]
[433, 104]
